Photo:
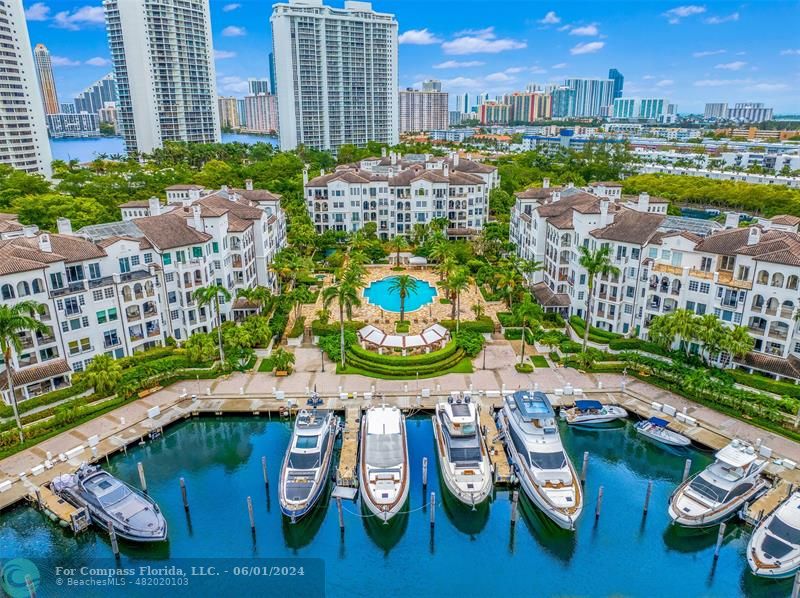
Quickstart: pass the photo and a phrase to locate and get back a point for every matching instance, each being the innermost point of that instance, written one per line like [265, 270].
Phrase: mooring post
[796, 585]
[113, 536]
[341, 516]
[720, 536]
[599, 503]
[424, 471]
[584, 466]
[264, 471]
[433, 509]
[686, 468]
[142, 480]
[39, 498]
[647, 496]
[514, 502]
[184, 495]
[250, 513]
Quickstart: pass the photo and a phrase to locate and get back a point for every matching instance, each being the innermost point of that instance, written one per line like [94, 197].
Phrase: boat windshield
[784, 531]
[467, 454]
[303, 460]
[555, 460]
[707, 489]
[114, 496]
[384, 450]
[306, 442]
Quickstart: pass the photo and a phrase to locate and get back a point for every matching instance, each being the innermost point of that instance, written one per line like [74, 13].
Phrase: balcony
[727, 279]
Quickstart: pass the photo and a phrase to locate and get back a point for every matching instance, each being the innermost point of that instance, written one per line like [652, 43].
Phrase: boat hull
[381, 510]
[612, 414]
[675, 441]
[715, 515]
[770, 553]
[459, 490]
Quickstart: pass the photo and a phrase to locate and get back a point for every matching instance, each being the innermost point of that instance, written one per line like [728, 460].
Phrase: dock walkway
[497, 453]
[348, 458]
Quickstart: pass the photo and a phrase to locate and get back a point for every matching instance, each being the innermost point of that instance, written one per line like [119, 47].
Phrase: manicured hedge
[636, 344]
[570, 347]
[45, 399]
[401, 327]
[596, 335]
[539, 361]
[410, 360]
[515, 334]
[507, 319]
[777, 387]
[485, 325]
[523, 368]
[320, 329]
[298, 327]
[407, 370]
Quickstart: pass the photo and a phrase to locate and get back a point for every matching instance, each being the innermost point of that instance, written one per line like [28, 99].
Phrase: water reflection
[553, 540]
[302, 533]
[385, 535]
[463, 517]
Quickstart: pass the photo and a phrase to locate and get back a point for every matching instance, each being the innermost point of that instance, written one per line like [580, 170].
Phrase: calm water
[469, 553]
[86, 149]
[379, 293]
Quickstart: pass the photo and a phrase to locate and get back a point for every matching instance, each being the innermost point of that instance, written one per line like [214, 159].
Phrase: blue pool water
[378, 293]
[468, 553]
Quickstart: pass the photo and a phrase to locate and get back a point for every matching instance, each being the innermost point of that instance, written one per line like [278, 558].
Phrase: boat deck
[497, 453]
[766, 503]
[348, 458]
[71, 516]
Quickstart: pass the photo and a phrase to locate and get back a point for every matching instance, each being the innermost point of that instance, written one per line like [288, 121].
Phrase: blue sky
[690, 53]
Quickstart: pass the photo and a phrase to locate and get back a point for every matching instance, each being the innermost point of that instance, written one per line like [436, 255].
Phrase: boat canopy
[586, 405]
[657, 421]
[533, 405]
[738, 454]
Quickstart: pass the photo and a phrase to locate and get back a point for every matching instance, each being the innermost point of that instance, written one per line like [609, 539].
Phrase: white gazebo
[432, 337]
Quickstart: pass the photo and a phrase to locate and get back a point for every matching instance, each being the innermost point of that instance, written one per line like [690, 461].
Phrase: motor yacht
[657, 429]
[383, 461]
[774, 548]
[589, 413]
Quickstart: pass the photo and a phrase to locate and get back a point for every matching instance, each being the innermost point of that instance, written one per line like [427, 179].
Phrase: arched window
[7, 291]
[777, 279]
[37, 285]
[758, 303]
[791, 282]
[23, 290]
[763, 277]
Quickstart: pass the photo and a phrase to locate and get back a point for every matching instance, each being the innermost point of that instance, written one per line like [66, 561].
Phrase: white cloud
[791, 52]
[648, 77]
[674, 15]
[734, 16]
[230, 7]
[485, 32]
[98, 61]
[768, 87]
[537, 70]
[560, 65]
[86, 15]
[705, 53]
[665, 83]
[564, 27]
[233, 84]
[499, 78]
[720, 82]
[458, 64]
[551, 18]
[37, 12]
[483, 41]
[587, 30]
[234, 31]
[461, 83]
[418, 37]
[223, 54]
[513, 70]
[587, 48]
[64, 61]
[737, 65]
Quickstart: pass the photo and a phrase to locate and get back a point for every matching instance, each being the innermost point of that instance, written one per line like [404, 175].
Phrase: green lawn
[265, 365]
[462, 367]
[539, 361]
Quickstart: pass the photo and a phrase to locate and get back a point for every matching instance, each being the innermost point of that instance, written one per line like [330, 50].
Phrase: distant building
[452, 135]
[593, 97]
[528, 107]
[73, 125]
[108, 114]
[261, 113]
[228, 113]
[47, 84]
[456, 118]
[68, 109]
[717, 111]
[563, 102]
[618, 80]
[424, 110]
[346, 93]
[750, 112]
[492, 113]
[644, 108]
[257, 86]
[242, 112]
[462, 103]
[273, 89]
[94, 97]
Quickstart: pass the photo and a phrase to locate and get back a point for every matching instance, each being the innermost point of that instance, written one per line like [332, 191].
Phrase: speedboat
[717, 492]
[657, 429]
[774, 547]
[587, 413]
[463, 457]
[383, 463]
[528, 424]
[134, 516]
[304, 473]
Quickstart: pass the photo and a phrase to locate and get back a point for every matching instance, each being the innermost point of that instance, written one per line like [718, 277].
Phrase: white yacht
[588, 412]
[720, 490]
[657, 429]
[463, 456]
[545, 472]
[774, 547]
[305, 469]
[383, 463]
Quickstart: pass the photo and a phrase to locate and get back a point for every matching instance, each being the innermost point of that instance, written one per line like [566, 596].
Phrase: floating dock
[346, 473]
[55, 507]
[497, 452]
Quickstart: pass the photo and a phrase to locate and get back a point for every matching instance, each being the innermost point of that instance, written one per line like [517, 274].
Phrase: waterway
[467, 554]
[85, 149]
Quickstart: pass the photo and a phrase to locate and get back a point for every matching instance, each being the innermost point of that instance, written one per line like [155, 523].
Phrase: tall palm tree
[440, 251]
[447, 266]
[526, 312]
[399, 243]
[710, 331]
[509, 281]
[529, 267]
[259, 295]
[684, 324]
[457, 283]
[103, 373]
[478, 310]
[403, 285]
[346, 295]
[737, 341]
[16, 319]
[209, 295]
[597, 262]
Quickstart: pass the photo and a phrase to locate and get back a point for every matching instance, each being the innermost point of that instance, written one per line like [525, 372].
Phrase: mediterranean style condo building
[396, 192]
[126, 286]
[747, 276]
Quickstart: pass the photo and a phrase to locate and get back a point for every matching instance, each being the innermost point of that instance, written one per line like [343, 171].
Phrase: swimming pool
[378, 293]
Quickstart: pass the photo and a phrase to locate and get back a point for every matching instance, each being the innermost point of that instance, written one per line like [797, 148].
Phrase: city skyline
[712, 59]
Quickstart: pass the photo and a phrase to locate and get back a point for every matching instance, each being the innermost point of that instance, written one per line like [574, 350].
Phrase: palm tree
[509, 281]
[529, 267]
[16, 319]
[478, 310]
[259, 295]
[526, 312]
[684, 324]
[710, 331]
[447, 266]
[458, 283]
[210, 295]
[103, 373]
[399, 243]
[403, 285]
[595, 263]
[440, 251]
[737, 341]
[346, 295]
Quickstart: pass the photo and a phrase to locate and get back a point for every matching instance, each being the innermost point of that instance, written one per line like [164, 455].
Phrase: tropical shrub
[470, 342]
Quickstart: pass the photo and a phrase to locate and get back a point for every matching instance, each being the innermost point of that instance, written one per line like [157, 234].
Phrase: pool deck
[254, 394]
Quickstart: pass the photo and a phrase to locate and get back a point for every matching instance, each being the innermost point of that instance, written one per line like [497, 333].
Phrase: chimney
[393, 158]
[198, 221]
[545, 183]
[570, 185]
[555, 196]
[731, 220]
[154, 206]
[446, 169]
[321, 172]
[44, 243]
[248, 184]
[754, 236]
[30, 230]
[383, 152]
[64, 226]
[603, 212]
[305, 174]
[644, 202]
[455, 159]
[224, 190]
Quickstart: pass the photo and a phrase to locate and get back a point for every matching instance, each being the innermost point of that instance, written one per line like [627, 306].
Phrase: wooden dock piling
[341, 515]
[142, 479]
[514, 504]
[250, 513]
[424, 471]
[433, 509]
[647, 496]
[599, 503]
[687, 467]
[584, 466]
[184, 495]
[264, 471]
[720, 537]
[113, 537]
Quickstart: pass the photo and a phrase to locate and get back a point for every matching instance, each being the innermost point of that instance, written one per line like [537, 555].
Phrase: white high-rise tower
[23, 131]
[164, 65]
[336, 74]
